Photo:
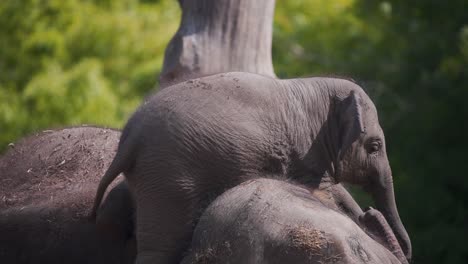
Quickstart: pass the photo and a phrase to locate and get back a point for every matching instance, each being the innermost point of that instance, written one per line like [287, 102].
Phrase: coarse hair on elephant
[47, 184]
[272, 221]
[188, 143]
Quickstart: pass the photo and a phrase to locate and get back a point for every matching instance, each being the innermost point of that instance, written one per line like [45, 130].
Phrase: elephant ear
[351, 123]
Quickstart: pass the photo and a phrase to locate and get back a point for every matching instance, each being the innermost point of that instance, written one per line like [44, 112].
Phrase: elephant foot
[377, 227]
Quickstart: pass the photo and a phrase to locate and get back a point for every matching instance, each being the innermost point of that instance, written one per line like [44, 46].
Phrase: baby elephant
[315, 131]
[271, 221]
[47, 184]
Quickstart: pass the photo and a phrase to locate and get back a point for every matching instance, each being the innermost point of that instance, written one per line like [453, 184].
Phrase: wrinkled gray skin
[271, 221]
[190, 142]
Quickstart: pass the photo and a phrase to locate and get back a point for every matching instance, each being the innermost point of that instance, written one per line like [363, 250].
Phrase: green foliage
[72, 62]
[83, 90]
[320, 37]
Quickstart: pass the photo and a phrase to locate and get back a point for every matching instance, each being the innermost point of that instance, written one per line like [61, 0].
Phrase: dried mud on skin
[56, 168]
[214, 254]
[314, 243]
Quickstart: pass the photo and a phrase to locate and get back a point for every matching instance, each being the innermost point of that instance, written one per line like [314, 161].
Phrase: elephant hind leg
[164, 227]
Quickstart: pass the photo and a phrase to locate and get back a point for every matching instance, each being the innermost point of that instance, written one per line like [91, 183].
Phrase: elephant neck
[316, 97]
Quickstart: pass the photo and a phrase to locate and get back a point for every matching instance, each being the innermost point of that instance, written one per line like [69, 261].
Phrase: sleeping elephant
[315, 131]
[47, 184]
[272, 221]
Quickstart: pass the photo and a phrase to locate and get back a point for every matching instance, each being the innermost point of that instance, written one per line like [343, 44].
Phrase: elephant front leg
[376, 224]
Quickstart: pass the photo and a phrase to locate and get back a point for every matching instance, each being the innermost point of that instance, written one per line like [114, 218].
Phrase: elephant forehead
[372, 127]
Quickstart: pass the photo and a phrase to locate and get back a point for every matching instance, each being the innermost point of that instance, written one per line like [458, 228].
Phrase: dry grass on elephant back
[54, 168]
[47, 186]
[314, 243]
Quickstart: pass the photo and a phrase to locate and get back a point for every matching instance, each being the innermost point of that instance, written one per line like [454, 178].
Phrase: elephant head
[362, 158]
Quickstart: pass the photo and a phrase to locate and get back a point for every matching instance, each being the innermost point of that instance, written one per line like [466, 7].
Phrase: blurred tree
[219, 36]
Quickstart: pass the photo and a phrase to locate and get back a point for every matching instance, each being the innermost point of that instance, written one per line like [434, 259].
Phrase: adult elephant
[190, 142]
[272, 221]
[47, 184]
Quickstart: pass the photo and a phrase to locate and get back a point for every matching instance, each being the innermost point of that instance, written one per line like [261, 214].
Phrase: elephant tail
[121, 162]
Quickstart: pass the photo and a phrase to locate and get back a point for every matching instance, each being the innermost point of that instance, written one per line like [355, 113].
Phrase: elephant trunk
[384, 197]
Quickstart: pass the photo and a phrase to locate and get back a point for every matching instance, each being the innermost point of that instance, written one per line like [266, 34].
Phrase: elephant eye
[374, 146]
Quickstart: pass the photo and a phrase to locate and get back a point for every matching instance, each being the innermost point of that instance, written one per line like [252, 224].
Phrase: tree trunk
[219, 36]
